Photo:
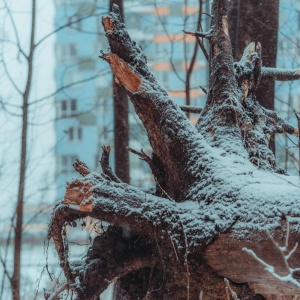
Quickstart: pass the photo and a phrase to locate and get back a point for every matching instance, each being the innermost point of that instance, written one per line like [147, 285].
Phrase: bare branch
[68, 24]
[56, 292]
[280, 125]
[193, 59]
[106, 168]
[280, 74]
[191, 109]
[81, 167]
[65, 87]
[142, 156]
[5, 269]
[206, 35]
[203, 89]
[285, 254]
[14, 84]
[15, 30]
[200, 43]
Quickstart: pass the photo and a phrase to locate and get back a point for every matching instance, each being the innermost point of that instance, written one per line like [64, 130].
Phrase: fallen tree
[217, 188]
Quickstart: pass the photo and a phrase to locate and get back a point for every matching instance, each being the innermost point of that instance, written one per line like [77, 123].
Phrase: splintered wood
[77, 193]
[124, 75]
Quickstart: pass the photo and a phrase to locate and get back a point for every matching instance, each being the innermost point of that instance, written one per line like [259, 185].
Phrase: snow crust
[226, 191]
[231, 194]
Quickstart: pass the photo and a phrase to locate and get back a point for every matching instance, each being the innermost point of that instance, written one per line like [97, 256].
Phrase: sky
[41, 129]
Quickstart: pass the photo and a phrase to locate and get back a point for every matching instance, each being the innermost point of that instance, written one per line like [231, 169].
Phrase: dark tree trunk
[121, 125]
[256, 21]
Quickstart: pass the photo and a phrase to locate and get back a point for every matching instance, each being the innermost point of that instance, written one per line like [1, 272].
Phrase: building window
[163, 78]
[66, 3]
[67, 108]
[87, 65]
[75, 23]
[66, 52]
[73, 78]
[73, 107]
[75, 134]
[64, 163]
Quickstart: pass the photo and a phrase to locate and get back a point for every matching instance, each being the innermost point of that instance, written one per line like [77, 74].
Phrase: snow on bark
[215, 179]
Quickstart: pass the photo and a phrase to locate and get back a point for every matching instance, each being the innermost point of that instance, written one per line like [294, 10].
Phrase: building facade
[84, 105]
[287, 94]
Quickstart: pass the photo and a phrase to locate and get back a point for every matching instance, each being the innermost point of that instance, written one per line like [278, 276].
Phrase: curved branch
[106, 168]
[280, 125]
[111, 257]
[206, 35]
[201, 45]
[12, 20]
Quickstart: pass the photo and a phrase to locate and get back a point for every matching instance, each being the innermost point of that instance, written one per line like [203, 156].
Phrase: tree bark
[256, 21]
[121, 125]
[252, 21]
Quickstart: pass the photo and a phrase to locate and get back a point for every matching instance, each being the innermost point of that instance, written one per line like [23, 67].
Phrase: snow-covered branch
[281, 74]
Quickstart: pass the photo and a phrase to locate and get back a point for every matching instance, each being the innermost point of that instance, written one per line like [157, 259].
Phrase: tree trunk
[121, 125]
[252, 21]
[22, 174]
[217, 188]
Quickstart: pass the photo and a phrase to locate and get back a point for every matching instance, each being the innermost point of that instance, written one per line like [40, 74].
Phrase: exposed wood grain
[123, 72]
[227, 258]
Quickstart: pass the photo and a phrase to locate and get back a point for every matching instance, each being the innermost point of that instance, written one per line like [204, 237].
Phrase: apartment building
[287, 96]
[84, 105]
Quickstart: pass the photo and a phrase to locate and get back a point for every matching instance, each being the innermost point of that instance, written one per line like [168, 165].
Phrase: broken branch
[81, 167]
[191, 109]
[280, 74]
[106, 168]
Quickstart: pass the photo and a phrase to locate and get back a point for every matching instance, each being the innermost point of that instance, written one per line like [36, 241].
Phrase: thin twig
[286, 255]
[200, 43]
[206, 35]
[5, 269]
[54, 295]
[174, 248]
[229, 289]
[191, 109]
[203, 89]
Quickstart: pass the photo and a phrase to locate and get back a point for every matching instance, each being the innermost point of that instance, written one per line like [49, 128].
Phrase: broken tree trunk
[252, 21]
[220, 205]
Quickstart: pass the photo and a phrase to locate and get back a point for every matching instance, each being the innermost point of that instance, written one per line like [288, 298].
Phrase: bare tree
[27, 103]
[21, 188]
[217, 186]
